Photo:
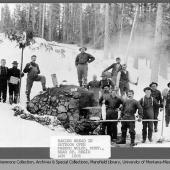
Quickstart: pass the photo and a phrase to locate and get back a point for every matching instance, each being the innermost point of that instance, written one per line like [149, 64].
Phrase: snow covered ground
[16, 132]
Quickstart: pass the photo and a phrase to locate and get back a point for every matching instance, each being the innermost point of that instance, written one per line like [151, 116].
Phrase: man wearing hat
[148, 103]
[116, 67]
[157, 95]
[14, 82]
[166, 95]
[113, 104]
[128, 111]
[105, 81]
[3, 80]
[33, 71]
[81, 63]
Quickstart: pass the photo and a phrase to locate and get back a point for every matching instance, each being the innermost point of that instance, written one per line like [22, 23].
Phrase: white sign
[80, 147]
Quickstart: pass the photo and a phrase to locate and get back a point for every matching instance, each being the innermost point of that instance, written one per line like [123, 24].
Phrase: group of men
[11, 77]
[148, 107]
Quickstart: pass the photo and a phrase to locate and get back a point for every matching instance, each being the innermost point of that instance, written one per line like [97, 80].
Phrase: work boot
[10, 99]
[132, 136]
[144, 140]
[132, 142]
[15, 99]
[123, 139]
[80, 83]
[150, 140]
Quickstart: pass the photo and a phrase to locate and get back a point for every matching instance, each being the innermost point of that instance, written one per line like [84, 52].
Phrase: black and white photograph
[71, 69]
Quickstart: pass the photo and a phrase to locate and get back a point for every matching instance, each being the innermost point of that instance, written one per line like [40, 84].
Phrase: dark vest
[124, 77]
[168, 100]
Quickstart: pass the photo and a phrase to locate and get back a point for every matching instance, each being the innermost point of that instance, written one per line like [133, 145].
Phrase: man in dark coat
[14, 82]
[3, 81]
[128, 112]
[112, 103]
[116, 67]
[33, 71]
[167, 105]
[157, 95]
[94, 86]
[81, 63]
[105, 81]
[148, 104]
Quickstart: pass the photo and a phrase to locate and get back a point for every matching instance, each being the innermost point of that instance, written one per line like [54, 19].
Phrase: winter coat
[15, 72]
[33, 71]
[129, 109]
[105, 82]
[157, 95]
[84, 58]
[3, 73]
[148, 105]
[167, 98]
[112, 104]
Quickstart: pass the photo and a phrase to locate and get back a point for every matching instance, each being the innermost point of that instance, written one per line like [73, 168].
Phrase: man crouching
[129, 109]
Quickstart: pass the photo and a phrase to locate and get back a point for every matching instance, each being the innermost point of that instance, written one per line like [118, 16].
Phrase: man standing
[81, 63]
[116, 67]
[33, 71]
[14, 82]
[3, 81]
[112, 103]
[156, 94]
[167, 105]
[148, 104]
[129, 109]
[123, 80]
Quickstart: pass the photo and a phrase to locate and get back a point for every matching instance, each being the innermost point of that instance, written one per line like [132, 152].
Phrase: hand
[30, 66]
[139, 119]
[119, 119]
[161, 109]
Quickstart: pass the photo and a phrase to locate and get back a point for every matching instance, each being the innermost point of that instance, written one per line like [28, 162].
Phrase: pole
[144, 120]
[131, 34]
[22, 54]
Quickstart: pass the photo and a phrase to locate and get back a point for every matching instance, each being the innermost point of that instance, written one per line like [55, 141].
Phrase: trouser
[131, 127]
[156, 113]
[110, 128]
[124, 88]
[3, 90]
[114, 78]
[13, 92]
[147, 130]
[30, 82]
[82, 71]
[167, 115]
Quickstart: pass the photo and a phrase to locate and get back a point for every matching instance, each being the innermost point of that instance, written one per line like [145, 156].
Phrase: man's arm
[76, 60]
[27, 68]
[130, 80]
[90, 58]
[161, 100]
[140, 110]
[108, 68]
[38, 69]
